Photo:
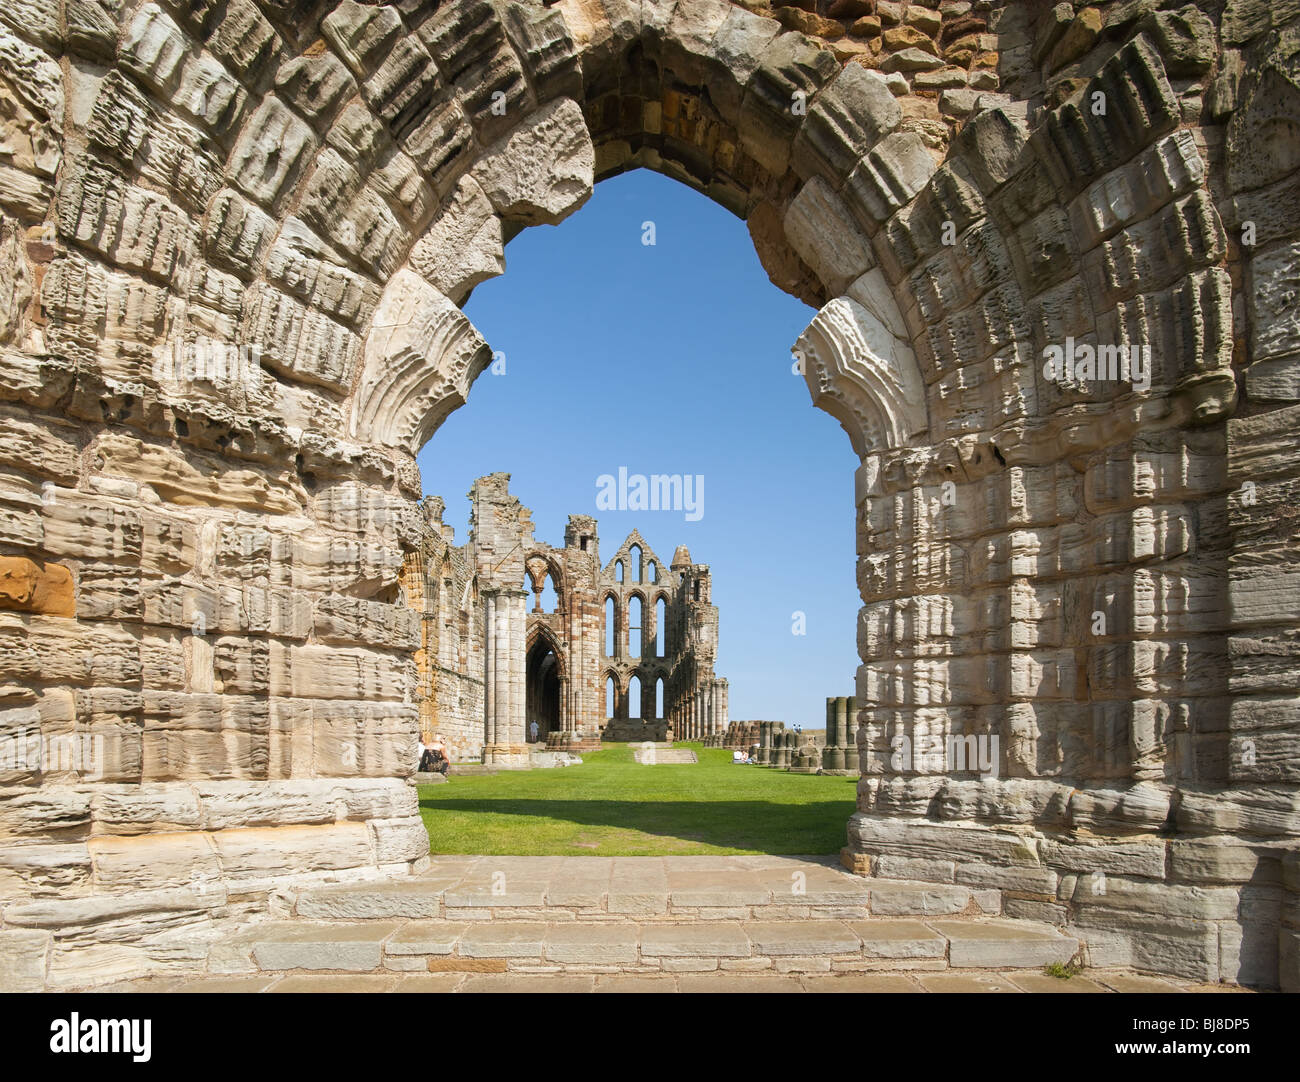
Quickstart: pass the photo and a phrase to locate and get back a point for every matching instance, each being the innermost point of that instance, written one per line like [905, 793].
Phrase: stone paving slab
[612, 944]
[542, 984]
[982, 944]
[637, 983]
[259, 983]
[963, 982]
[500, 939]
[1119, 981]
[738, 982]
[337, 983]
[707, 939]
[356, 947]
[1041, 982]
[802, 937]
[425, 937]
[870, 983]
[898, 939]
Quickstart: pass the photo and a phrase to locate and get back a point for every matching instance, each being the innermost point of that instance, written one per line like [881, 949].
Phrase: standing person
[532, 730]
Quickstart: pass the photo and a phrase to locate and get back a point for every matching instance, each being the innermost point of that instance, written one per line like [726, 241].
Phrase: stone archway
[235, 241]
[545, 680]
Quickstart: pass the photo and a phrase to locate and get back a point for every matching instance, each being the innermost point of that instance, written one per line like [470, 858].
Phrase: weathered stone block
[23, 958]
[853, 113]
[543, 170]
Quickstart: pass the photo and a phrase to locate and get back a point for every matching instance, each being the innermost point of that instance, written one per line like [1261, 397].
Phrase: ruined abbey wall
[590, 629]
[440, 585]
[234, 241]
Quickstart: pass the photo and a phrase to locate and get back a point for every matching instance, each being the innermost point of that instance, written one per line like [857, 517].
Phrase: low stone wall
[141, 879]
[632, 730]
[1216, 907]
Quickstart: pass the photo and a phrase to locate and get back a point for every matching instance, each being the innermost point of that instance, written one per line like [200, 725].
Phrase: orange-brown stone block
[28, 586]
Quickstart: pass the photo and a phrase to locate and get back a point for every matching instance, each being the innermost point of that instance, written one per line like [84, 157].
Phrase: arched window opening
[447, 645]
[697, 589]
[611, 697]
[653, 572]
[618, 571]
[659, 697]
[550, 597]
[634, 559]
[611, 626]
[634, 698]
[548, 600]
[661, 628]
[634, 627]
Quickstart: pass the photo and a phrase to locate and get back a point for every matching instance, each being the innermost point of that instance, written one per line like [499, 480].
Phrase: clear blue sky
[671, 359]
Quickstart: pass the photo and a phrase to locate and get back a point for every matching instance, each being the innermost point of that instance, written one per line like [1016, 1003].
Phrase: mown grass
[613, 806]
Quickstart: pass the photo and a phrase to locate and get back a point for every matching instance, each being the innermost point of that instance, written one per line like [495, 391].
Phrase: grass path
[613, 806]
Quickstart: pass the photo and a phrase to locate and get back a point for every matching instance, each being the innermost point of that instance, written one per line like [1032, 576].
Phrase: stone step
[658, 756]
[633, 888]
[809, 946]
[730, 981]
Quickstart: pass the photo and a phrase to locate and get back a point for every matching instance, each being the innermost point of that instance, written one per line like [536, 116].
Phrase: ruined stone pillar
[518, 668]
[833, 753]
[782, 757]
[849, 733]
[489, 673]
[504, 698]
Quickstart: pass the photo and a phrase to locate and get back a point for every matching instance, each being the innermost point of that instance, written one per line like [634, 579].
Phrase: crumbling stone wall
[234, 241]
[440, 586]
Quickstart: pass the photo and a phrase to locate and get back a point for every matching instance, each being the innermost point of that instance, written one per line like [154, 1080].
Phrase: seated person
[737, 756]
[433, 757]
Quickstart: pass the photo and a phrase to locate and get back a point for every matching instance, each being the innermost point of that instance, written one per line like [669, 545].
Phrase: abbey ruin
[234, 239]
[626, 652]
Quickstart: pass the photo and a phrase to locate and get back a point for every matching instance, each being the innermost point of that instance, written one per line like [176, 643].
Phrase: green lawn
[612, 806]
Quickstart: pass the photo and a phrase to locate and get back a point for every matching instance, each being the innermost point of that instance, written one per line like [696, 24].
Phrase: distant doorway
[542, 702]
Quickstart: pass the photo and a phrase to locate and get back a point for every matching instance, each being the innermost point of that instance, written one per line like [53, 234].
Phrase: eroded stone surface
[228, 319]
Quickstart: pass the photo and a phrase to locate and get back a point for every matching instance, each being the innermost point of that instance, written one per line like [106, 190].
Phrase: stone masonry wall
[440, 586]
[233, 243]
